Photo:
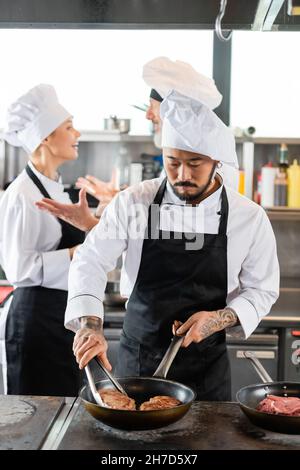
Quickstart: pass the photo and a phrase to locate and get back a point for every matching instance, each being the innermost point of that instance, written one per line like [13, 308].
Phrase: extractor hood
[199, 14]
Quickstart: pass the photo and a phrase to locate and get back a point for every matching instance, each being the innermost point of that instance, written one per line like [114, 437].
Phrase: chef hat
[33, 116]
[164, 75]
[192, 126]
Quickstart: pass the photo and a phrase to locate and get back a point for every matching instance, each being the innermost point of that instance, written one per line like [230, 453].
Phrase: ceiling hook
[218, 25]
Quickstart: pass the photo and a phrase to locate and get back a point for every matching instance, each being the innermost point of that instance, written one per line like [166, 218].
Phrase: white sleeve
[259, 277]
[93, 260]
[22, 262]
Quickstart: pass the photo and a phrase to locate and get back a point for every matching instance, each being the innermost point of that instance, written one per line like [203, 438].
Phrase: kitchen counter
[286, 311]
[209, 426]
[50, 423]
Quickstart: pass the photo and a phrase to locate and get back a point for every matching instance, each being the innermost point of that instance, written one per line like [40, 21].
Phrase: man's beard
[157, 138]
[187, 197]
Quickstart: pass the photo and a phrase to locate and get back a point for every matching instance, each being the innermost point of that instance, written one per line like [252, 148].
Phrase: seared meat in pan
[160, 402]
[117, 400]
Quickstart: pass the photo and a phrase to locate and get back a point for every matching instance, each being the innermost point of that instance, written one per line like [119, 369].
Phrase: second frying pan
[249, 397]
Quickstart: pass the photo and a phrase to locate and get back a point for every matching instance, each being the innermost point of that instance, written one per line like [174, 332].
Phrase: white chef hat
[33, 116]
[164, 75]
[192, 126]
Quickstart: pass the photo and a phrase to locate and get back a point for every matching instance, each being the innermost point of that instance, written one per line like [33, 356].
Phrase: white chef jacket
[29, 237]
[253, 270]
[230, 175]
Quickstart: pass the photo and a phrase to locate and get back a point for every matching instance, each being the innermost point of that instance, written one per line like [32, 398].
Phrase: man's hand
[203, 324]
[89, 342]
[78, 214]
[101, 190]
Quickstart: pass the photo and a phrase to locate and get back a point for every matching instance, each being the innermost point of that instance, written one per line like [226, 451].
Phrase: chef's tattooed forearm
[219, 320]
[93, 323]
[227, 318]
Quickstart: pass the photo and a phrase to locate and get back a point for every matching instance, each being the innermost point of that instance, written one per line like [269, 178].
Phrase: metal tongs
[113, 380]
[92, 385]
[161, 371]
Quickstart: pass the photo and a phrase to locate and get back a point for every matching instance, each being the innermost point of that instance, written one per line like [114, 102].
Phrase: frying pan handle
[258, 366]
[92, 385]
[169, 357]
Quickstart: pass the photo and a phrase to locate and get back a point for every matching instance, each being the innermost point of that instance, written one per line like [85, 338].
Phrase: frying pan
[142, 389]
[250, 396]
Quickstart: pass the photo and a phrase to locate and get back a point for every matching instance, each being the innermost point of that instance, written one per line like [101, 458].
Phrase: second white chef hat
[33, 117]
[163, 75]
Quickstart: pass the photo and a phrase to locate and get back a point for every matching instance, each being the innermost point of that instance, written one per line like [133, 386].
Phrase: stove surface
[208, 425]
[26, 420]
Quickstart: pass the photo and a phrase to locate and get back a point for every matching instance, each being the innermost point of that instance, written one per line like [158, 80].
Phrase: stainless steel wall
[95, 158]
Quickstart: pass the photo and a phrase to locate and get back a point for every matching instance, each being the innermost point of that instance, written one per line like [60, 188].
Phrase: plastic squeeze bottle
[294, 185]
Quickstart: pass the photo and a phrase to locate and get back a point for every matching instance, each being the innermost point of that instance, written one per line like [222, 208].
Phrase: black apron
[39, 353]
[172, 284]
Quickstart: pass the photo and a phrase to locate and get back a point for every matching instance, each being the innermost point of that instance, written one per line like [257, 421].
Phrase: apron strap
[224, 213]
[40, 186]
[153, 212]
[37, 182]
[160, 193]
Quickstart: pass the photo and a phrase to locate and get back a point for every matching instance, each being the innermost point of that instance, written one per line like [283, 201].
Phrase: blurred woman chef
[36, 249]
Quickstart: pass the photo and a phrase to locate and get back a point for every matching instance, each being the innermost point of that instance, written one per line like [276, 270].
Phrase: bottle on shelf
[294, 185]
[122, 168]
[257, 192]
[241, 188]
[136, 173]
[268, 174]
[283, 163]
[280, 188]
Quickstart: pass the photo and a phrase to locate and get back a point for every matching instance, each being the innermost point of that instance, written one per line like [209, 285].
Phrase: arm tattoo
[227, 318]
[220, 319]
[94, 323]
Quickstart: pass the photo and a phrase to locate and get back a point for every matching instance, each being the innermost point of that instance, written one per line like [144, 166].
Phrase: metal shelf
[116, 136]
[112, 136]
[283, 213]
[269, 140]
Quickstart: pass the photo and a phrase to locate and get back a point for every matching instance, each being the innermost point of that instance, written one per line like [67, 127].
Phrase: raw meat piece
[117, 400]
[160, 402]
[288, 406]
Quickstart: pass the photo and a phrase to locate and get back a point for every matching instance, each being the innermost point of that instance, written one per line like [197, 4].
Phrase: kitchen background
[98, 74]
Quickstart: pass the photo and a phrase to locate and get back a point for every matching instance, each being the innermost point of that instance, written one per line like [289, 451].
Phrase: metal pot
[115, 124]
